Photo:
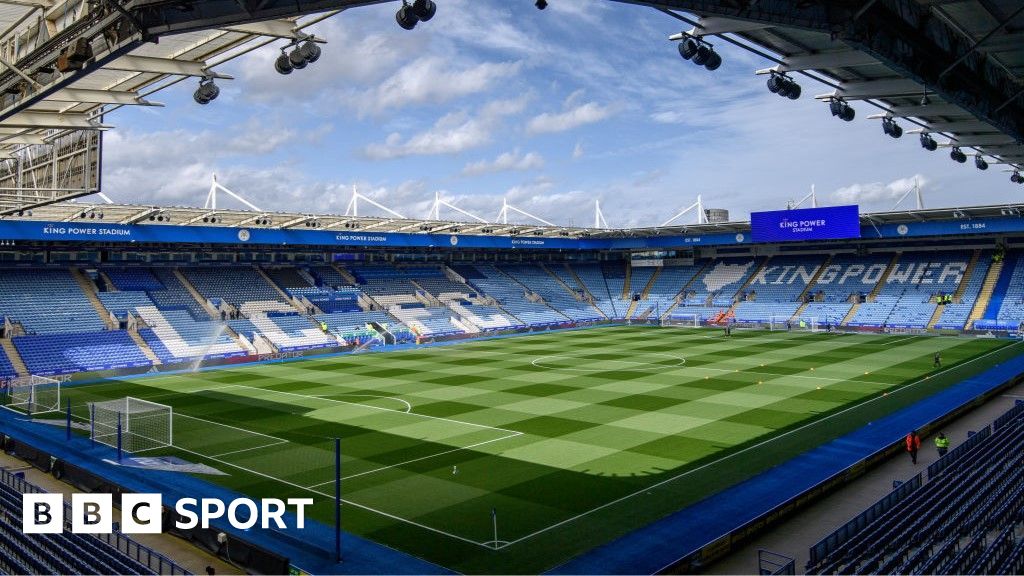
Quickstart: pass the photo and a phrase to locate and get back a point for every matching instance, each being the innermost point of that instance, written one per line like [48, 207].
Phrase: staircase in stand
[681, 295]
[146, 350]
[14, 357]
[287, 297]
[936, 316]
[985, 296]
[195, 294]
[626, 288]
[881, 281]
[814, 280]
[89, 289]
[966, 279]
[849, 315]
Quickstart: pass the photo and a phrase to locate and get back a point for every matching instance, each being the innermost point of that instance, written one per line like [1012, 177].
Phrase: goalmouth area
[571, 438]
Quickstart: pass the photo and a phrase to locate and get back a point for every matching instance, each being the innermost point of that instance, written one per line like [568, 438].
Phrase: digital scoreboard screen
[829, 223]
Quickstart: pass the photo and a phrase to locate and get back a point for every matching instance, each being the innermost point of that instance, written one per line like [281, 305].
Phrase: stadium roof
[183, 216]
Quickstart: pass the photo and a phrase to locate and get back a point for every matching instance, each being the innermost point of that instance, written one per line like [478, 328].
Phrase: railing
[833, 541]
[942, 463]
[148, 557]
[770, 563]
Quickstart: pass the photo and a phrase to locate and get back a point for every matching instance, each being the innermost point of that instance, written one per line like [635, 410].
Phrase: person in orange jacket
[913, 442]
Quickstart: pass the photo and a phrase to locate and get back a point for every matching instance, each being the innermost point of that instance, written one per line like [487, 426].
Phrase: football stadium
[318, 387]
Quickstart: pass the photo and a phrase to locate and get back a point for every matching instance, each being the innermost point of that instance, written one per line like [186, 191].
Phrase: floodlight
[890, 127]
[1016, 178]
[405, 17]
[297, 59]
[980, 163]
[424, 9]
[841, 109]
[206, 92]
[310, 51]
[688, 47]
[957, 155]
[541, 4]
[928, 143]
[714, 61]
[283, 65]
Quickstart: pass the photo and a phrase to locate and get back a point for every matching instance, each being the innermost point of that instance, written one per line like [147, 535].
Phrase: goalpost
[139, 424]
[776, 323]
[687, 320]
[807, 324]
[34, 394]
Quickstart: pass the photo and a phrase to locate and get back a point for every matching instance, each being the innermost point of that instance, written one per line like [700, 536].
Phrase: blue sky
[549, 109]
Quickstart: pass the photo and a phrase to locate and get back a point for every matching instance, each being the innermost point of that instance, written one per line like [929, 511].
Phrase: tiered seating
[553, 293]
[6, 368]
[50, 354]
[292, 332]
[826, 313]
[849, 274]
[667, 285]
[287, 277]
[63, 553]
[485, 317]
[427, 321]
[904, 300]
[443, 288]
[46, 302]
[352, 325]
[955, 315]
[1012, 310]
[608, 301]
[133, 279]
[174, 296]
[330, 300]
[773, 292]
[176, 337]
[121, 304]
[234, 285]
[964, 520]
[328, 277]
[510, 295]
[715, 287]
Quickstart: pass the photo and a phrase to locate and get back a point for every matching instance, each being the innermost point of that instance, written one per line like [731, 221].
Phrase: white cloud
[432, 79]
[451, 134]
[505, 162]
[577, 151]
[878, 192]
[574, 116]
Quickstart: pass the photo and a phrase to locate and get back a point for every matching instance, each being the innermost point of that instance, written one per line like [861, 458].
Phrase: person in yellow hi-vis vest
[942, 444]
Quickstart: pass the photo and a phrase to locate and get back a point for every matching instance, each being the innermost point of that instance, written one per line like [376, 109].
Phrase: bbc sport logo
[143, 513]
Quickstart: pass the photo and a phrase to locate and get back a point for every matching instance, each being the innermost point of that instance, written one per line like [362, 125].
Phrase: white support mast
[599, 221]
[812, 197]
[506, 207]
[916, 190]
[353, 205]
[435, 210]
[698, 206]
[211, 197]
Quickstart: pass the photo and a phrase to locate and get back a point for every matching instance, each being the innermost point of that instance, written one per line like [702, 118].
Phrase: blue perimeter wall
[663, 543]
[310, 549]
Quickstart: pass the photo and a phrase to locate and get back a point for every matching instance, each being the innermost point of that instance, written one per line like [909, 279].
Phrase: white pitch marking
[744, 450]
[253, 448]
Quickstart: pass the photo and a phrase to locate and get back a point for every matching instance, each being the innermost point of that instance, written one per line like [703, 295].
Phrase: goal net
[142, 425]
[34, 394]
[781, 323]
[687, 320]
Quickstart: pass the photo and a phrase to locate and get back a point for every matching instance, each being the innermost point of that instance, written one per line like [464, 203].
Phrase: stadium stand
[774, 291]
[63, 553]
[552, 290]
[1011, 310]
[328, 276]
[966, 519]
[6, 367]
[172, 295]
[121, 304]
[666, 287]
[509, 296]
[46, 301]
[595, 280]
[242, 287]
[174, 335]
[712, 292]
[52, 354]
[955, 315]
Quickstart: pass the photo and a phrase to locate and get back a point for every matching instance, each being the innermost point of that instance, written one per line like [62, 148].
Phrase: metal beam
[133, 63]
[840, 59]
[874, 89]
[716, 25]
[928, 110]
[98, 97]
[276, 28]
[46, 120]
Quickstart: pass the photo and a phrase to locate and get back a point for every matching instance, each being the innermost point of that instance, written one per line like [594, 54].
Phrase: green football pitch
[573, 438]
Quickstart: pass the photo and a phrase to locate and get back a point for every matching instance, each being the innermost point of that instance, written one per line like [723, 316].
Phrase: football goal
[783, 323]
[140, 424]
[687, 320]
[807, 324]
[34, 394]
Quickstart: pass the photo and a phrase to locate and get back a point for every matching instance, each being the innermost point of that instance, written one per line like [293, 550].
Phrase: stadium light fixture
[409, 15]
[957, 155]
[928, 143]
[206, 92]
[980, 163]
[541, 4]
[1016, 178]
[700, 52]
[783, 85]
[890, 127]
[841, 109]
